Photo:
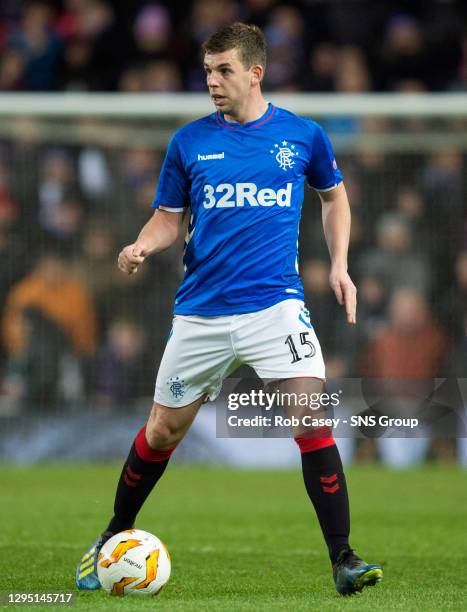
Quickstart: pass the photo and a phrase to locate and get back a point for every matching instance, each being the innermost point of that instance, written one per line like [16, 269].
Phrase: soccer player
[239, 173]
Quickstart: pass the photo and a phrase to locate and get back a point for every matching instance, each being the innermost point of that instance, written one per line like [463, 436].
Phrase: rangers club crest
[176, 386]
[284, 154]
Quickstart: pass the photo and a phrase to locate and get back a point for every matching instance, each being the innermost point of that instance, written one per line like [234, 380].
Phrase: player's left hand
[345, 291]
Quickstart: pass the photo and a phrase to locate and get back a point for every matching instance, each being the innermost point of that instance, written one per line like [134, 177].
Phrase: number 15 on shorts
[300, 346]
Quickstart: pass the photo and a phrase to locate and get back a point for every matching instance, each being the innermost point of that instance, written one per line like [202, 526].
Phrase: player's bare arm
[336, 225]
[160, 232]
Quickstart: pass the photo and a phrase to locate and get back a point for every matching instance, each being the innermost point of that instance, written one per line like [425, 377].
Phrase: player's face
[228, 80]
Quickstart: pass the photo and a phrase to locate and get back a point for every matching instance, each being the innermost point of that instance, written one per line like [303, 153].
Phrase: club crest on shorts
[176, 386]
[284, 154]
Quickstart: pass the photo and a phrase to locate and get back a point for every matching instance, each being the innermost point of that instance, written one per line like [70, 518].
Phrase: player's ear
[257, 72]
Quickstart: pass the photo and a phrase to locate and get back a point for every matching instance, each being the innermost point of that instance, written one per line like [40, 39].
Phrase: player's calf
[144, 466]
[326, 486]
[142, 470]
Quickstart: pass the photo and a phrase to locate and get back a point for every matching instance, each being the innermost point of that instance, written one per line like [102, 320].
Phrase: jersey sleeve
[322, 172]
[173, 186]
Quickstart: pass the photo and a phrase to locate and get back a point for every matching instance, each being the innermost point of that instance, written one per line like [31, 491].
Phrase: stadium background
[80, 342]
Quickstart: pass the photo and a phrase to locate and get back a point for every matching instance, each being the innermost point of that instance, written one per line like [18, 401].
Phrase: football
[133, 562]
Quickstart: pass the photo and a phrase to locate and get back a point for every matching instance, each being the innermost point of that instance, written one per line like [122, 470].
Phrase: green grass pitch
[242, 540]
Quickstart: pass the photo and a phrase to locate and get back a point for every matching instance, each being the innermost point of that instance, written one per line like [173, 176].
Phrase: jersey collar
[251, 124]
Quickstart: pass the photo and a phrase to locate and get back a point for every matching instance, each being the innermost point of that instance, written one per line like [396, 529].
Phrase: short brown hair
[248, 39]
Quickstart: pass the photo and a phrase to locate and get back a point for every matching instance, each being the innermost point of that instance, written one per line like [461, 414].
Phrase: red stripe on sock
[132, 474]
[332, 489]
[328, 479]
[130, 483]
[146, 453]
[315, 439]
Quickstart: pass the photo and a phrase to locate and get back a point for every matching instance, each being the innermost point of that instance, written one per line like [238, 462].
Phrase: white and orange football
[133, 562]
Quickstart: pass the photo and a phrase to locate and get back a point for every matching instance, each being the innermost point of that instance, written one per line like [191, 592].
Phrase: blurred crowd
[74, 329]
[153, 46]
[74, 326]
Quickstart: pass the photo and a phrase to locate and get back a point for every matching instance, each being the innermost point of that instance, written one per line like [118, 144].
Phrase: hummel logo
[211, 156]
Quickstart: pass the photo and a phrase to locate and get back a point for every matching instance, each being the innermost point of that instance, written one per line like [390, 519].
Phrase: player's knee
[161, 436]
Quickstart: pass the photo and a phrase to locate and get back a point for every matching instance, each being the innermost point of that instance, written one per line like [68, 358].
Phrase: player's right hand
[130, 258]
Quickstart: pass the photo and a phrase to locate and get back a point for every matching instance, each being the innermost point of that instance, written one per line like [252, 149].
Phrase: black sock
[325, 484]
[136, 482]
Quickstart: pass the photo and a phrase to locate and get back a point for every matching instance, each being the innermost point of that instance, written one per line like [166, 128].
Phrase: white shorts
[277, 342]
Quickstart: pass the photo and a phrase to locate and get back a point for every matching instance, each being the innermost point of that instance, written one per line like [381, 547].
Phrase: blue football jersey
[243, 185]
